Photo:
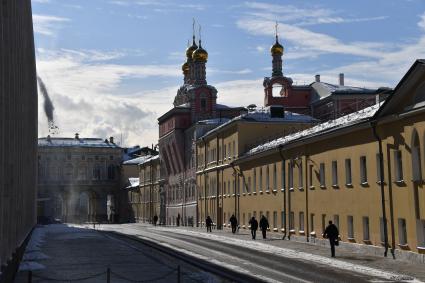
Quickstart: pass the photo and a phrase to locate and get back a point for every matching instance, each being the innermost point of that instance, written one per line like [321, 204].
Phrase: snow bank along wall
[18, 130]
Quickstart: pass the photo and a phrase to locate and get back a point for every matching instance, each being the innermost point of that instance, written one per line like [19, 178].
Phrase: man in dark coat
[264, 224]
[155, 219]
[233, 223]
[332, 233]
[254, 226]
[209, 223]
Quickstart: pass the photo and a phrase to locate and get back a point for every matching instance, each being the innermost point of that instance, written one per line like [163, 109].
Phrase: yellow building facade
[363, 171]
[218, 150]
[149, 189]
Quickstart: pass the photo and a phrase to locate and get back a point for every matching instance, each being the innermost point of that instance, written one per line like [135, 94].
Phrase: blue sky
[113, 66]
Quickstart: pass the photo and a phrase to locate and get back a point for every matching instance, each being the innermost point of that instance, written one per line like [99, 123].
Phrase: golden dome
[200, 54]
[276, 49]
[185, 68]
[190, 49]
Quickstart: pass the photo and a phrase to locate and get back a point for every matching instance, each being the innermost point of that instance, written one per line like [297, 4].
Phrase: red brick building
[321, 100]
[195, 111]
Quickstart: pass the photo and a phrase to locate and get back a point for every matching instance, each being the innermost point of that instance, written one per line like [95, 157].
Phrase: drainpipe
[205, 177]
[381, 168]
[306, 228]
[236, 174]
[284, 195]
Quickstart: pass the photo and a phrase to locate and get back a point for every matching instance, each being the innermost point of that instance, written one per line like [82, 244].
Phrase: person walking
[332, 233]
[264, 224]
[155, 219]
[254, 226]
[233, 223]
[178, 219]
[209, 223]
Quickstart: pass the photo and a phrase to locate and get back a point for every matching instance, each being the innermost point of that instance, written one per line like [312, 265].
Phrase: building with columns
[18, 133]
[78, 179]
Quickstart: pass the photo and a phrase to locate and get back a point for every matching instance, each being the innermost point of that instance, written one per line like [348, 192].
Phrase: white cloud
[303, 17]
[260, 48]
[41, 1]
[377, 63]
[307, 39]
[234, 72]
[241, 92]
[84, 88]
[421, 23]
[47, 25]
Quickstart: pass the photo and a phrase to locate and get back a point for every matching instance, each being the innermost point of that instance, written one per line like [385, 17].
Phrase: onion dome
[200, 54]
[277, 48]
[185, 68]
[191, 49]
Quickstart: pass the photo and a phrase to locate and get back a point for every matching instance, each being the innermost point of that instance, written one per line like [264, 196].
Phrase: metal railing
[109, 276]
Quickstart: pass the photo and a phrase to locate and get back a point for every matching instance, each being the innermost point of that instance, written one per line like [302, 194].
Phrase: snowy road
[266, 262]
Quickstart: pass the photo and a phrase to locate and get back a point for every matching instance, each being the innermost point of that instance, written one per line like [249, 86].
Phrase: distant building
[18, 133]
[77, 179]
[321, 100]
[131, 200]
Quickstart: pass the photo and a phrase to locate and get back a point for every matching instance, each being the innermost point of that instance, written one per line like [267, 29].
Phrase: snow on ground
[33, 252]
[294, 254]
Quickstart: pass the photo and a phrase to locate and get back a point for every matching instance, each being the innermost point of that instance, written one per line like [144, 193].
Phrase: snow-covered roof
[344, 121]
[137, 161]
[222, 106]
[324, 90]
[72, 142]
[213, 121]
[134, 183]
[151, 158]
[264, 115]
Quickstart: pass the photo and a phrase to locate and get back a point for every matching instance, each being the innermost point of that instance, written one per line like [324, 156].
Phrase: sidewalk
[346, 253]
[65, 253]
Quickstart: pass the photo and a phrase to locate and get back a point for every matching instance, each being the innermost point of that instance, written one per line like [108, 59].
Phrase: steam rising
[48, 107]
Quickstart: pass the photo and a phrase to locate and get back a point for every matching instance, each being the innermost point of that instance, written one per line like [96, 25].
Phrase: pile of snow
[343, 121]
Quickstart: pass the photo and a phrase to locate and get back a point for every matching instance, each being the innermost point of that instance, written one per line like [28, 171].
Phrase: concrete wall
[18, 127]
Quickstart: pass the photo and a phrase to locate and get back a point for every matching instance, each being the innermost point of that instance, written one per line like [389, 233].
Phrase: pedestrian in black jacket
[264, 224]
[254, 226]
[233, 223]
[209, 223]
[332, 233]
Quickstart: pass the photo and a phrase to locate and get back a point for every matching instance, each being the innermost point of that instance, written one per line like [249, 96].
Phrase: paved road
[248, 257]
[71, 253]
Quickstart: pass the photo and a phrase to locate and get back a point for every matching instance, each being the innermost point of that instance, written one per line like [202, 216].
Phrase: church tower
[277, 83]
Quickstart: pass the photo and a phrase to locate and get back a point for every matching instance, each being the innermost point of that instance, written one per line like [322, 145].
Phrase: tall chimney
[111, 139]
[341, 79]
[77, 136]
[317, 78]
